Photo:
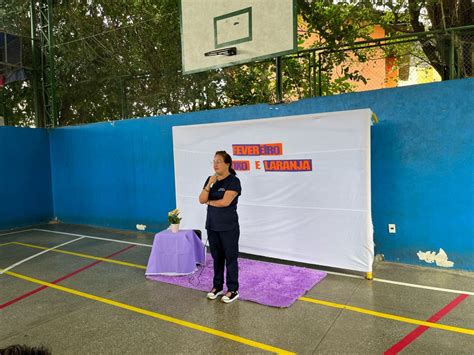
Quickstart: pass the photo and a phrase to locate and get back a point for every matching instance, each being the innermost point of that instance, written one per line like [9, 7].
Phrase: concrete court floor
[67, 322]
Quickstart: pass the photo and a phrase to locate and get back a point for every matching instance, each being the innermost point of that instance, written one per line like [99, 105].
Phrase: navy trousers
[225, 251]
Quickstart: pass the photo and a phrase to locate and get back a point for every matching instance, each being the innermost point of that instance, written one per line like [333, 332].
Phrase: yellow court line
[1, 245]
[163, 317]
[390, 316]
[83, 255]
[306, 299]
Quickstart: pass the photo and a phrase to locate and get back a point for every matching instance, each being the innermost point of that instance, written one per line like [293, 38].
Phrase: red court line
[15, 300]
[395, 349]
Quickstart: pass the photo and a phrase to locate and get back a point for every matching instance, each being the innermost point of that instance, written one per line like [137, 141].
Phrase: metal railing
[365, 65]
[380, 63]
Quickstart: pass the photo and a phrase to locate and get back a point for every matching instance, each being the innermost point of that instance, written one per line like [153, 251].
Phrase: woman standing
[221, 193]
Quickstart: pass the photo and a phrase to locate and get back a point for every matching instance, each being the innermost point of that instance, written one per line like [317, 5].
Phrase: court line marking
[433, 288]
[328, 272]
[87, 256]
[306, 299]
[99, 238]
[160, 316]
[38, 254]
[418, 331]
[15, 232]
[376, 279]
[425, 287]
[65, 277]
[390, 316]
[400, 283]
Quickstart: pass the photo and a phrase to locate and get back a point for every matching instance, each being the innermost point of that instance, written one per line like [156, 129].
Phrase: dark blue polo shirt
[223, 218]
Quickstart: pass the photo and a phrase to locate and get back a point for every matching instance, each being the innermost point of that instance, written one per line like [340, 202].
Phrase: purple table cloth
[175, 253]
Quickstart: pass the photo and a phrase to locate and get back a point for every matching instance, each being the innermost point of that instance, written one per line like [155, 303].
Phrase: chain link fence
[425, 58]
[464, 52]
[16, 93]
[90, 92]
[381, 64]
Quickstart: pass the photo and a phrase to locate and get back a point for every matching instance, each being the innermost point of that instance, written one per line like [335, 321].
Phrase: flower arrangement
[173, 217]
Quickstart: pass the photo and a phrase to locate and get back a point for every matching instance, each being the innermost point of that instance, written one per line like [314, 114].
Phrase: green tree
[121, 59]
[439, 15]
[343, 21]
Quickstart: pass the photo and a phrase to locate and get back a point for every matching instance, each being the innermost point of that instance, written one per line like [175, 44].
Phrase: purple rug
[262, 282]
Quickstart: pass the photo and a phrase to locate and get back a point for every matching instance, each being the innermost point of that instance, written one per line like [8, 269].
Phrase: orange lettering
[237, 150]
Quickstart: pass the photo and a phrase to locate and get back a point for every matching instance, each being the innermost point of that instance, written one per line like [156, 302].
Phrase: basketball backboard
[221, 33]
[10, 49]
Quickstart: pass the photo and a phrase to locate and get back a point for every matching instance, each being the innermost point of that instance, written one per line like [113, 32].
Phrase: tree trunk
[434, 53]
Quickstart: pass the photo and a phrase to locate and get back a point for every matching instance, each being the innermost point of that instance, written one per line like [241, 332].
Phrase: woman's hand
[212, 181]
[204, 195]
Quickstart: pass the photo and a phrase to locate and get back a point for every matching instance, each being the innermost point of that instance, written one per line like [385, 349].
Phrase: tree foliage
[121, 59]
[343, 21]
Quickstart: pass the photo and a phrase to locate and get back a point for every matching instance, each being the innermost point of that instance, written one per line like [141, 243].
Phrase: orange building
[378, 70]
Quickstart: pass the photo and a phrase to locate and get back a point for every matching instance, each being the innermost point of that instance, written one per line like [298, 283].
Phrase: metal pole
[313, 60]
[5, 49]
[278, 78]
[320, 87]
[55, 114]
[3, 111]
[310, 87]
[34, 81]
[452, 69]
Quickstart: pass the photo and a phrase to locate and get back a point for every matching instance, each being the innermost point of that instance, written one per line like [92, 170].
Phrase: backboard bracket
[223, 51]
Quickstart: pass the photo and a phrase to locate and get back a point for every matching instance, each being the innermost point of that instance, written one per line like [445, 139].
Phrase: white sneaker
[231, 298]
[213, 294]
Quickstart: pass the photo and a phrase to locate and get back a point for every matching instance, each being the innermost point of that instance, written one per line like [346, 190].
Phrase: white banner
[305, 184]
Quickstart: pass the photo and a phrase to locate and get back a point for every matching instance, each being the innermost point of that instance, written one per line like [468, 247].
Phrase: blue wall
[114, 174]
[120, 174]
[25, 177]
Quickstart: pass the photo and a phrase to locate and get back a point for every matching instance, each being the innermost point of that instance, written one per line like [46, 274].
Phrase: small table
[175, 253]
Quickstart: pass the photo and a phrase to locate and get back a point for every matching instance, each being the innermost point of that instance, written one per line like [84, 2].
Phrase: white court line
[38, 254]
[425, 287]
[328, 272]
[401, 283]
[99, 238]
[342, 274]
[23, 230]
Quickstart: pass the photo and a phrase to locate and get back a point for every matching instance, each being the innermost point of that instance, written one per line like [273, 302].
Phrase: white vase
[175, 228]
